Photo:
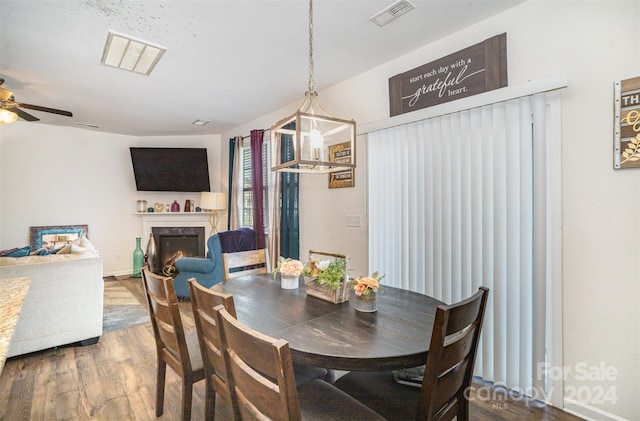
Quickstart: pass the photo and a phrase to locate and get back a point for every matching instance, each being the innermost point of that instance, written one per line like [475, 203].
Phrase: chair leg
[463, 407]
[187, 390]
[162, 371]
[210, 402]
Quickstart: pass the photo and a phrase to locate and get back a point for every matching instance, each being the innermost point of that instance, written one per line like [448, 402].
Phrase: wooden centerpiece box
[326, 277]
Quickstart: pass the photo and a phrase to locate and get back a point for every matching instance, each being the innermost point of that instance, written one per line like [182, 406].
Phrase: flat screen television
[170, 169]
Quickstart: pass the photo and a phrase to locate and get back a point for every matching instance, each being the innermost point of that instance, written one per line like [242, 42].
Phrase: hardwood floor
[115, 379]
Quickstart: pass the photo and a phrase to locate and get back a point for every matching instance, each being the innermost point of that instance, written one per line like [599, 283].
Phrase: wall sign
[626, 127]
[476, 69]
[341, 153]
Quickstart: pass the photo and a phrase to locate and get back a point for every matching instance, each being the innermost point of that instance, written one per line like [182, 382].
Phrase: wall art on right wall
[626, 124]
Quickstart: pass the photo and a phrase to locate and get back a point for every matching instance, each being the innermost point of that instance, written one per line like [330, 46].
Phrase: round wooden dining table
[337, 336]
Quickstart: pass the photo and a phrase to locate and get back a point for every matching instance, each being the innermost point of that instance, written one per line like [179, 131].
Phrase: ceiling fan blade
[46, 109]
[22, 114]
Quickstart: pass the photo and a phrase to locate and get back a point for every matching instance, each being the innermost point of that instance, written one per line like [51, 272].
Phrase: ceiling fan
[8, 102]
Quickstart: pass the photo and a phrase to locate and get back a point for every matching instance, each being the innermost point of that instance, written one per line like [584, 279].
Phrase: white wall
[66, 176]
[595, 43]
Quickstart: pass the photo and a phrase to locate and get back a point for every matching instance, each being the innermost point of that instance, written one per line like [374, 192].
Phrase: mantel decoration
[290, 271]
[327, 279]
[309, 134]
[366, 289]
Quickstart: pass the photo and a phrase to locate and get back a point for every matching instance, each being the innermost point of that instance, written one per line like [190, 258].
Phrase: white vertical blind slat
[452, 208]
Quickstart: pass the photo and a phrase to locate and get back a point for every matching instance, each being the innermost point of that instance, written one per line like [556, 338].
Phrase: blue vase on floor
[138, 259]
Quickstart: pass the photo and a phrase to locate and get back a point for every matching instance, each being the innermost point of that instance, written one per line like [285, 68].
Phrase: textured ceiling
[226, 61]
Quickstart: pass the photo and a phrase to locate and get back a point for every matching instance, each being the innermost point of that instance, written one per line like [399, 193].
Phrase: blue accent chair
[208, 270]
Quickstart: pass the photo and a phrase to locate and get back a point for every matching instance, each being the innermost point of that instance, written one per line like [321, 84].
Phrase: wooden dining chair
[262, 380]
[208, 334]
[244, 263]
[447, 374]
[203, 300]
[174, 348]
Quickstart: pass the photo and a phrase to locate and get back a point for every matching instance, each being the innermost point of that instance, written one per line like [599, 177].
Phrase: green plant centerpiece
[327, 279]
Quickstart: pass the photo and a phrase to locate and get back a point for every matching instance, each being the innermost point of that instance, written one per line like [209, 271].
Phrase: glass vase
[138, 259]
[367, 303]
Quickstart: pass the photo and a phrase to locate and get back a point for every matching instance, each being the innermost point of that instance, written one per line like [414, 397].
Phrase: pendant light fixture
[311, 140]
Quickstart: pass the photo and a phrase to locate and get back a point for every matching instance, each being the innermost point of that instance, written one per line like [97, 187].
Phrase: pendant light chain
[311, 85]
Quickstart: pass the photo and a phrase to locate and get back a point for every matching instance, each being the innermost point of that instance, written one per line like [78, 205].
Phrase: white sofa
[64, 303]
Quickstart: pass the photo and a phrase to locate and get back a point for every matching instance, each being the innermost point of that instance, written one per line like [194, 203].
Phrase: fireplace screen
[175, 242]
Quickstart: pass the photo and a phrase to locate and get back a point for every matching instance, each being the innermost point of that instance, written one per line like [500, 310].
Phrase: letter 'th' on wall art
[474, 70]
[626, 125]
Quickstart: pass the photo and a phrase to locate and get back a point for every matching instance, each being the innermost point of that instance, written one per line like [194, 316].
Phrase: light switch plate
[353, 220]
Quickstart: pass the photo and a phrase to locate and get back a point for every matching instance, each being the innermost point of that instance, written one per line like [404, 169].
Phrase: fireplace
[175, 242]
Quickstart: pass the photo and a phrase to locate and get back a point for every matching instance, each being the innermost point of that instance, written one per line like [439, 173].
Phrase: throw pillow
[83, 242]
[7, 252]
[65, 249]
[21, 252]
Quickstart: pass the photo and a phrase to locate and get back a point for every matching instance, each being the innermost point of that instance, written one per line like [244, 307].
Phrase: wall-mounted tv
[170, 169]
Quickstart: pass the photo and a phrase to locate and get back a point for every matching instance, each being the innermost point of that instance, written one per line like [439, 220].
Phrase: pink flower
[366, 285]
[291, 268]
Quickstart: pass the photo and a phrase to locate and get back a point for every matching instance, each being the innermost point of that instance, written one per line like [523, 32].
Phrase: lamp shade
[7, 116]
[213, 201]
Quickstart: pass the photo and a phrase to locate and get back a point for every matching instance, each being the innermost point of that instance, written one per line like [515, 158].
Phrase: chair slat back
[203, 300]
[449, 369]
[261, 372]
[166, 321]
[247, 262]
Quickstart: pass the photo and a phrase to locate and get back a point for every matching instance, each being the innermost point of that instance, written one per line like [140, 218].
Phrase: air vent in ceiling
[128, 53]
[392, 12]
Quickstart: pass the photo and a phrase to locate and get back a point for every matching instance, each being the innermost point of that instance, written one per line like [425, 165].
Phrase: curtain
[451, 208]
[289, 205]
[234, 219]
[273, 228]
[257, 185]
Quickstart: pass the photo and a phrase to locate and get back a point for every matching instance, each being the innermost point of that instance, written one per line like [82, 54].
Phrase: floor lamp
[214, 203]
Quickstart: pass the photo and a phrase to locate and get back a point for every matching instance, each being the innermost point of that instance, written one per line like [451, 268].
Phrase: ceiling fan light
[7, 117]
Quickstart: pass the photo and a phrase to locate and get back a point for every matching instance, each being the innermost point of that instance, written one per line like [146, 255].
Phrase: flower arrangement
[365, 286]
[288, 267]
[327, 272]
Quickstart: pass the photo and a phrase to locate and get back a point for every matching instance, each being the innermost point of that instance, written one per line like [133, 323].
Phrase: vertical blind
[451, 208]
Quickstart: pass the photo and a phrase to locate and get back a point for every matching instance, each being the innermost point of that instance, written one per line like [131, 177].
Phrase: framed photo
[340, 179]
[341, 153]
[55, 236]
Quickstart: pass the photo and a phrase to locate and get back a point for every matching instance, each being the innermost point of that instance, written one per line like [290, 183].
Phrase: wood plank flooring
[115, 380]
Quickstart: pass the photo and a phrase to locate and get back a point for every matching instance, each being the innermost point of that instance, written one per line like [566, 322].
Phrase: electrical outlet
[353, 220]
[118, 257]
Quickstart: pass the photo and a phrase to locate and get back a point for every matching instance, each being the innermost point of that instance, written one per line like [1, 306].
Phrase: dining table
[337, 336]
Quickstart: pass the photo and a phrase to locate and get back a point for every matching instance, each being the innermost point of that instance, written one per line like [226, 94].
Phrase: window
[247, 199]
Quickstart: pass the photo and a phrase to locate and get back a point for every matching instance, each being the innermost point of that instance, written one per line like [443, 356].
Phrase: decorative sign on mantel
[626, 147]
[476, 69]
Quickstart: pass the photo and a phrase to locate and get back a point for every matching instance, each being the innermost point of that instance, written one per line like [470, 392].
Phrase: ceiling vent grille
[128, 53]
[392, 12]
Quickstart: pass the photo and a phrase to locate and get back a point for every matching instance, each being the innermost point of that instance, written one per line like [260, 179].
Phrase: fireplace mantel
[173, 219]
